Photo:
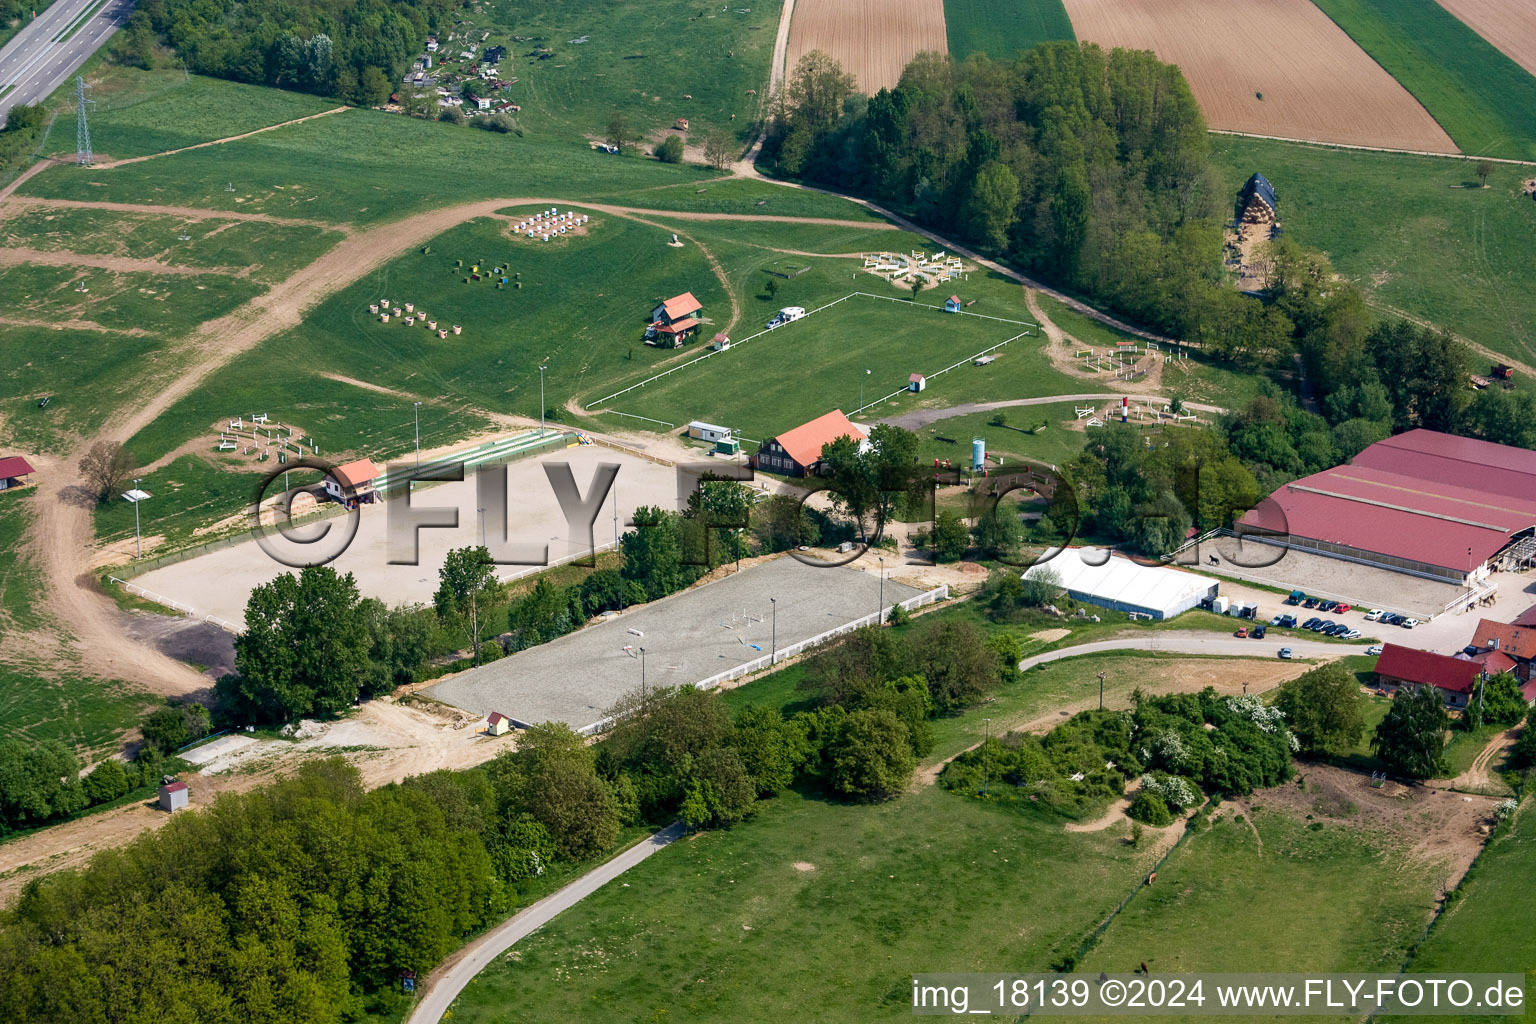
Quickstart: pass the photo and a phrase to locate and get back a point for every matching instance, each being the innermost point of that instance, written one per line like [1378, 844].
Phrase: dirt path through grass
[220, 142]
[116, 264]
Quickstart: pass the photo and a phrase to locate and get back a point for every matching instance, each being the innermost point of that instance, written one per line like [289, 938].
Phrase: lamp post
[418, 434]
[861, 390]
[541, 400]
[880, 616]
[138, 544]
[642, 675]
[773, 643]
[1101, 691]
[482, 527]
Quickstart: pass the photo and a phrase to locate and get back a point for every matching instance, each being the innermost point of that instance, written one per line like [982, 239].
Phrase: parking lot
[1334, 578]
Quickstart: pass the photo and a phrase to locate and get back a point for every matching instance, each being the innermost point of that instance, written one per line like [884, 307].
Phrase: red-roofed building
[173, 796]
[497, 724]
[1424, 503]
[1404, 666]
[1516, 644]
[674, 320]
[797, 452]
[1526, 618]
[14, 471]
[352, 482]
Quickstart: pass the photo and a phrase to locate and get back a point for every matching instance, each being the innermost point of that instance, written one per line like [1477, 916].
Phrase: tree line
[354, 49]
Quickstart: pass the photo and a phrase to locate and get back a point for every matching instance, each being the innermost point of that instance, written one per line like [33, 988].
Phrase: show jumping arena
[701, 637]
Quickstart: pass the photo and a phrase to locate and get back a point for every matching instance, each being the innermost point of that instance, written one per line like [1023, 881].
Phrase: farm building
[173, 796]
[1256, 203]
[720, 342]
[1398, 667]
[916, 382]
[701, 431]
[497, 724]
[1503, 646]
[352, 482]
[1126, 586]
[952, 304]
[1423, 503]
[673, 321]
[14, 472]
[797, 452]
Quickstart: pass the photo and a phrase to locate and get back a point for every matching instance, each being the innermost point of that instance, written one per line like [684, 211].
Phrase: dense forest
[355, 49]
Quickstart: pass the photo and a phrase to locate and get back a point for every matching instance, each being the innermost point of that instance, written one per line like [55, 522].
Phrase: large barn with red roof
[1430, 504]
[797, 452]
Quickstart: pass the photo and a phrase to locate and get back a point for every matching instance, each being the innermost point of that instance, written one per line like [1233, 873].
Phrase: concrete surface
[578, 677]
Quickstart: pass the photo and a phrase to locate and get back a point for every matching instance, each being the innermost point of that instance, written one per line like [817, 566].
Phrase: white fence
[175, 606]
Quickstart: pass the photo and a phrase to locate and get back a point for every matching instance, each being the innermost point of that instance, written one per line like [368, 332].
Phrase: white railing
[175, 606]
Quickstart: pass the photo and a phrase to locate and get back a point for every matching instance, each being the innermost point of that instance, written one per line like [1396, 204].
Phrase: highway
[52, 47]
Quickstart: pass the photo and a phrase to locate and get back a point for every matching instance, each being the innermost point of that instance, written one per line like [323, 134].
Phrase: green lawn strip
[1484, 101]
[1406, 230]
[730, 925]
[652, 63]
[40, 702]
[1055, 445]
[165, 304]
[189, 494]
[1319, 897]
[1002, 28]
[748, 196]
[1483, 927]
[268, 252]
[21, 581]
[143, 112]
[1464, 745]
[348, 168]
[831, 349]
[80, 372]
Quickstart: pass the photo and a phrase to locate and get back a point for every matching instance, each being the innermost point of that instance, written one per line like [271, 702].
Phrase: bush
[1150, 809]
[491, 651]
[671, 150]
[871, 758]
[107, 781]
[25, 115]
[1174, 790]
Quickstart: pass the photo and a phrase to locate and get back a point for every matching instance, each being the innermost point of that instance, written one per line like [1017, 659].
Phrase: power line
[82, 130]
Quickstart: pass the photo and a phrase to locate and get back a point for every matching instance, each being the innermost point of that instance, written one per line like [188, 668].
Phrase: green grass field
[1314, 900]
[1002, 28]
[1407, 231]
[803, 369]
[639, 59]
[1484, 101]
[1483, 928]
[741, 925]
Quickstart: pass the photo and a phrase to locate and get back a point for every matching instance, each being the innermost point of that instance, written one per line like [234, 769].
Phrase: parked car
[1310, 623]
[1409, 623]
[1338, 630]
[1274, 620]
[1296, 597]
[1391, 618]
[1374, 614]
[1258, 632]
[1353, 634]
[1285, 652]
[1342, 608]
[1324, 626]
[1241, 631]
[1373, 649]
[1310, 602]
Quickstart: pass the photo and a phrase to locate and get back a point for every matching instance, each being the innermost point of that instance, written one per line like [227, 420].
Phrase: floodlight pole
[861, 389]
[1101, 691]
[773, 644]
[418, 435]
[541, 402]
[482, 527]
[642, 675]
[615, 543]
[138, 543]
[880, 617]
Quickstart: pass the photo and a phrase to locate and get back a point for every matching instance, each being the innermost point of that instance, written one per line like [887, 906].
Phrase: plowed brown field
[1316, 83]
[872, 40]
[1509, 25]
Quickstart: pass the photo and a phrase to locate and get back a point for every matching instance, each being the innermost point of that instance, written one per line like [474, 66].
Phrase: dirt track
[118, 264]
[220, 142]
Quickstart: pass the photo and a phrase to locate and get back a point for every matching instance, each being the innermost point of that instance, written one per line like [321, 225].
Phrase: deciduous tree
[1410, 740]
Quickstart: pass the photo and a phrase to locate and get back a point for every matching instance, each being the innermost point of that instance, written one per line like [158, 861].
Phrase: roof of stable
[804, 443]
[1400, 501]
[1427, 668]
[1465, 461]
[687, 323]
[174, 787]
[14, 465]
[1515, 641]
[680, 306]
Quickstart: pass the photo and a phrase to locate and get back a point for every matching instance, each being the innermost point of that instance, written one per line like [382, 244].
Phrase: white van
[788, 314]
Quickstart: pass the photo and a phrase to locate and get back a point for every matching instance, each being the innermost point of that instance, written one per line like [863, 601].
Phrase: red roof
[915, 378]
[1408, 517]
[14, 465]
[356, 474]
[174, 787]
[1516, 641]
[1494, 662]
[955, 299]
[1408, 665]
[677, 326]
[1448, 459]
[1528, 691]
[497, 716]
[679, 306]
[1527, 617]
[804, 443]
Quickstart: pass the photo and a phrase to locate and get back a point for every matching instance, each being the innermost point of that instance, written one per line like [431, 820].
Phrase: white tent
[1126, 586]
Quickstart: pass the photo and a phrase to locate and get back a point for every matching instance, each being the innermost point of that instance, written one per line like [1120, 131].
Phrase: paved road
[919, 418]
[1191, 642]
[39, 59]
[445, 984]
